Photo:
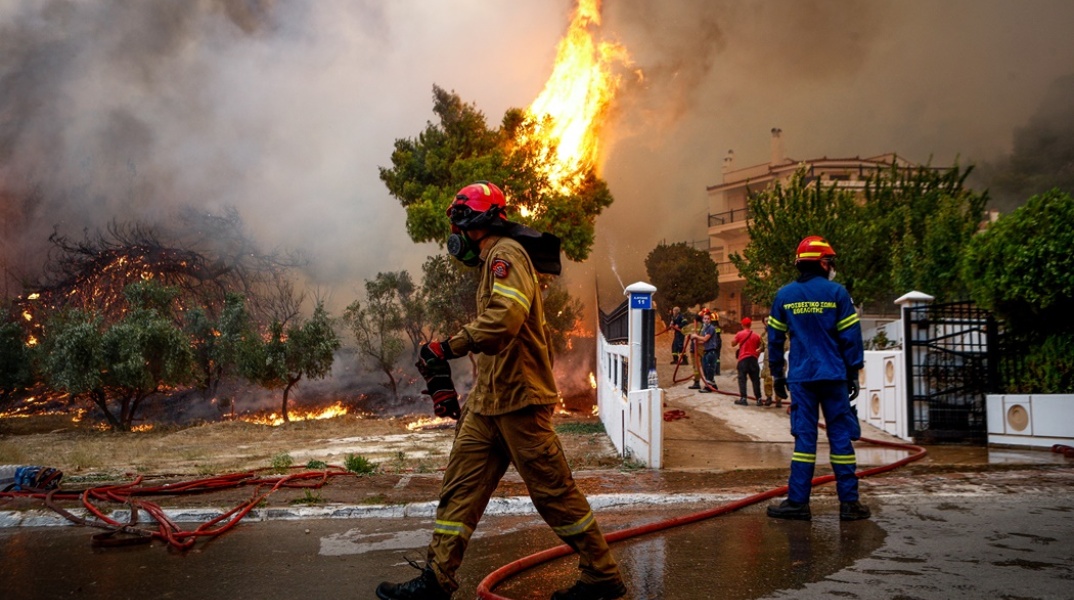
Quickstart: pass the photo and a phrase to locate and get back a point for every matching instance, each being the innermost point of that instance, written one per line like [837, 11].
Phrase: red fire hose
[167, 530]
[484, 589]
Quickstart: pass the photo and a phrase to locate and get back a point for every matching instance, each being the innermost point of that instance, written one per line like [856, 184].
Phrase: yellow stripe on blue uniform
[450, 528]
[512, 293]
[804, 457]
[776, 324]
[844, 459]
[847, 322]
[575, 528]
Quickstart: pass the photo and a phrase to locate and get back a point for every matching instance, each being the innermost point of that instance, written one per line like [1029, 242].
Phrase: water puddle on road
[742, 555]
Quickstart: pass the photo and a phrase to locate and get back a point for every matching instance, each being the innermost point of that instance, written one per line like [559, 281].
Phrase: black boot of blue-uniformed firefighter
[790, 510]
[422, 587]
[853, 511]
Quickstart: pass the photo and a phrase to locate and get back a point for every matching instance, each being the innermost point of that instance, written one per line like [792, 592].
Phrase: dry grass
[81, 451]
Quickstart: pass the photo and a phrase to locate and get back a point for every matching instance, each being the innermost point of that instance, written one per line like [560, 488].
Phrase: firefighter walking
[507, 418]
[823, 376]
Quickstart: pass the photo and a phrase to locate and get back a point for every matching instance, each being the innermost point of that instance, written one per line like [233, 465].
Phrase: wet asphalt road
[984, 537]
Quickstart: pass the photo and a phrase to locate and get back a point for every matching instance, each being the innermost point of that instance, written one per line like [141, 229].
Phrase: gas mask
[831, 274]
[462, 248]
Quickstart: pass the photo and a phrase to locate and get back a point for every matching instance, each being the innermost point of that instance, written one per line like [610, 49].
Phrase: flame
[275, 419]
[596, 410]
[592, 380]
[431, 423]
[576, 97]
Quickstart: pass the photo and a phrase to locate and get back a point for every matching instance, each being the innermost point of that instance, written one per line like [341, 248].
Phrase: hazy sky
[125, 110]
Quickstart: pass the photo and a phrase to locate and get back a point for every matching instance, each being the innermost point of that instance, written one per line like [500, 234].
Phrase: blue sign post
[642, 336]
[641, 300]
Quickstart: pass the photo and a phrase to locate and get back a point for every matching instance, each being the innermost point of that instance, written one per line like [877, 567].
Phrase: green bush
[1022, 269]
[1049, 366]
[1022, 266]
[359, 464]
[282, 462]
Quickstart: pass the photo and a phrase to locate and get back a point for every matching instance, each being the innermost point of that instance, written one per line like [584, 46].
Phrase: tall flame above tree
[570, 109]
[546, 158]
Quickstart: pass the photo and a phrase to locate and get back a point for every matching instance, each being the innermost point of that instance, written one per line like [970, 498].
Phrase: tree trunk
[287, 391]
[101, 401]
[283, 409]
[391, 383]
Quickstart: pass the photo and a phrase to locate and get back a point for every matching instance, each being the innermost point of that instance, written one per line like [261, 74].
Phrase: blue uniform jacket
[819, 316]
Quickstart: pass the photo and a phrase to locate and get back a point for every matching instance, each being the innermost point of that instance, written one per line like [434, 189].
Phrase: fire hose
[709, 385]
[167, 530]
[484, 589]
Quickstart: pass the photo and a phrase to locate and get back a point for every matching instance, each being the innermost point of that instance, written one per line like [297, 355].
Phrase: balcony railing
[737, 215]
[726, 268]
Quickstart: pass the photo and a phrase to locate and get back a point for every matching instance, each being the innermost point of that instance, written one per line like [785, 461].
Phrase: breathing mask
[463, 249]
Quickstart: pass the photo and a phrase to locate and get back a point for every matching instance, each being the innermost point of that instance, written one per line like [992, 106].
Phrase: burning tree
[230, 345]
[118, 365]
[546, 158]
[204, 259]
[461, 149]
[302, 350]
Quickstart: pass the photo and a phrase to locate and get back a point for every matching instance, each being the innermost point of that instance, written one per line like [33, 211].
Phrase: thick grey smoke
[930, 80]
[284, 110]
[128, 110]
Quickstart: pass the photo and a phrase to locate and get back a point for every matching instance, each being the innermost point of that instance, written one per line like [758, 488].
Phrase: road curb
[509, 506]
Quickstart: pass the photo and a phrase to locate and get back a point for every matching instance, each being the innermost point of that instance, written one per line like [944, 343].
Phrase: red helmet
[477, 205]
[814, 247]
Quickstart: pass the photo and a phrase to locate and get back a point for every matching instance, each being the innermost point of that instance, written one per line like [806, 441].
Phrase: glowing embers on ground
[314, 414]
[576, 97]
[427, 423]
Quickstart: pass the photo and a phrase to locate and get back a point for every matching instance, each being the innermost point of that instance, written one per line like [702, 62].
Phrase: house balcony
[736, 217]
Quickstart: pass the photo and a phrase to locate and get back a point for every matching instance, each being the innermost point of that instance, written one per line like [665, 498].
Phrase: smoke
[112, 110]
[932, 81]
[285, 110]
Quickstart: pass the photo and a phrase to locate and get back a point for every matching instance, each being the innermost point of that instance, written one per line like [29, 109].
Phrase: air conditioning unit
[1015, 415]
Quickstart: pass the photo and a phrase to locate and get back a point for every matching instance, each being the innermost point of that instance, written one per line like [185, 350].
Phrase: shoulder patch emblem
[500, 268]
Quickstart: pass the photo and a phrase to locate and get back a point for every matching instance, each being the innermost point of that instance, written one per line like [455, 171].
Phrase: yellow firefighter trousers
[484, 447]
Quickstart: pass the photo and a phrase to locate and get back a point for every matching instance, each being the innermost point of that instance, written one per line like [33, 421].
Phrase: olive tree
[118, 365]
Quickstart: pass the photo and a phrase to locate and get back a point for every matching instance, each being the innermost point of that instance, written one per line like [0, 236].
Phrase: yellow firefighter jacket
[509, 336]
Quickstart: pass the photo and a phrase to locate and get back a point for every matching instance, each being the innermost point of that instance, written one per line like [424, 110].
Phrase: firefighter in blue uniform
[825, 357]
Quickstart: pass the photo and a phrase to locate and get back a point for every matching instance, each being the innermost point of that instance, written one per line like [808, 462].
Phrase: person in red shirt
[749, 349]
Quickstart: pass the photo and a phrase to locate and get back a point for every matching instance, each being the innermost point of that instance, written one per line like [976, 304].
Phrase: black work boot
[790, 510]
[604, 590]
[853, 511]
[422, 587]
[696, 386]
[742, 402]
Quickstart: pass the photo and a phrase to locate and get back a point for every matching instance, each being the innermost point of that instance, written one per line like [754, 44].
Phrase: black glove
[779, 384]
[852, 385]
[434, 368]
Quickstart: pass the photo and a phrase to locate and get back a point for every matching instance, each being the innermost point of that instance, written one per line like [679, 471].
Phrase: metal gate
[950, 362]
